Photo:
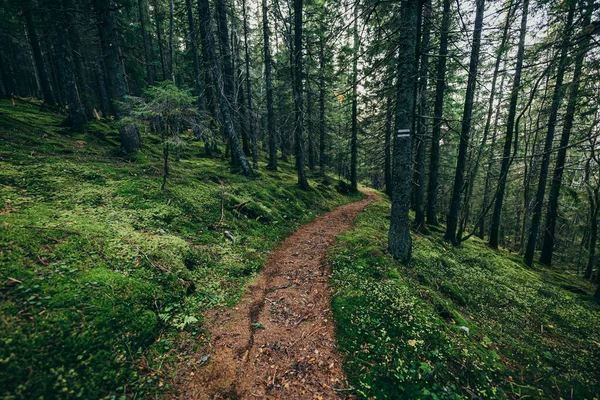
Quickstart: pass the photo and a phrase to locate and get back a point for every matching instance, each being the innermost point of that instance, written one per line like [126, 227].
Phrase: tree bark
[422, 117]
[556, 100]
[146, 41]
[309, 124]
[37, 54]
[454, 213]
[238, 159]
[510, 127]
[66, 73]
[207, 62]
[195, 59]
[387, 174]
[438, 110]
[226, 60]
[158, 19]
[322, 107]
[76, 46]
[171, 38]
[556, 183]
[490, 112]
[250, 111]
[4, 91]
[594, 210]
[354, 128]
[269, 89]
[297, 68]
[109, 40]
[399, 240]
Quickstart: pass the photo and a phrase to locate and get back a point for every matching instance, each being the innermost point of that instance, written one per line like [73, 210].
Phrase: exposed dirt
[279, 341]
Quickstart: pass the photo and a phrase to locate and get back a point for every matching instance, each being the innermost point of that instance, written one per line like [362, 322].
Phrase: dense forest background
[480, 120]
[518, 163]
[504, 97]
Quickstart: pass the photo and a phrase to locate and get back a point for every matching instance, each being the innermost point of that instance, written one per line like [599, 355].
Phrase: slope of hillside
[99, 268]
[459, 323]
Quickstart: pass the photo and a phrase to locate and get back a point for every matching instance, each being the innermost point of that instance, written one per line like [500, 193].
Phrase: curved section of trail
[279, 341]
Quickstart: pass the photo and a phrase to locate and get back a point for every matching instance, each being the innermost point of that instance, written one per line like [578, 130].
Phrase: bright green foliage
[532, 333]
[99, 268]
[171, 111]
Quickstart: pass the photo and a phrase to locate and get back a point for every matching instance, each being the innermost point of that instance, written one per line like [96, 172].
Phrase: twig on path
[307, 336]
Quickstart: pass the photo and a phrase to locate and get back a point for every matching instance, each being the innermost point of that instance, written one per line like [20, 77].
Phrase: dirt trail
[279, 341]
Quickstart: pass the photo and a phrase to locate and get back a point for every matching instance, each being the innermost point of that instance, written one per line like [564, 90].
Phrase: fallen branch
[238, 206]
[160, 267]
[307, 336]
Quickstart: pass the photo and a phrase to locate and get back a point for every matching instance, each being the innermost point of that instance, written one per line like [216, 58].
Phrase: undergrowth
[459, 323]
[100, 269]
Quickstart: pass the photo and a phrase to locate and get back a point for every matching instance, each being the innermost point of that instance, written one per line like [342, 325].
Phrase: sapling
[171, 111]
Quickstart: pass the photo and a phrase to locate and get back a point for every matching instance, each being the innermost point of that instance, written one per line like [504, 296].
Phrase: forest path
[279, 341]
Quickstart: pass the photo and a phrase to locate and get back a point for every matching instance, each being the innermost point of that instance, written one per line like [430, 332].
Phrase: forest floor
[279, 341]
[462, 322]
[112, 288]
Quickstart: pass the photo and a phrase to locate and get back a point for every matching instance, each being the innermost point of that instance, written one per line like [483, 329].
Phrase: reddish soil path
[279, 341]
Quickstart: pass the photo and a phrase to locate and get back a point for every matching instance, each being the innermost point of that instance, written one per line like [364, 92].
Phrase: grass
[533, 333]
[100, 269]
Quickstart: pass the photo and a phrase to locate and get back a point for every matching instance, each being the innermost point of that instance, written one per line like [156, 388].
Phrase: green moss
[100, 269]
[399, 326]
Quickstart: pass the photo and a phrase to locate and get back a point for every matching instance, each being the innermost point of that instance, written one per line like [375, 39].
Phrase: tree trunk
[4, 91]
[309, 123]
[490, 111]
[101, 85]
[250, 111]
[452, 222]
[556, 100]
[269, 89]
[388, 146]
[297, 68]
[490, 163]
[594, 209]
[146, 41]
[8, 90]
[207, 62]
[81, 78]
[238, 159]
[109, 40]
[37, 54]
[226, 58]
[243, 121]
[171, 44]
[67, 75]
[556, 183]
[158, 19]
[510, 126]
[422, 117]
[399, 240]
[322, 107]
[434, 163]
[195, 59]
[354, 129]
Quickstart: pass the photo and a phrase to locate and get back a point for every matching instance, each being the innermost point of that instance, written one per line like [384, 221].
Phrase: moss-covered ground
[100, 269]
[532, 333]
